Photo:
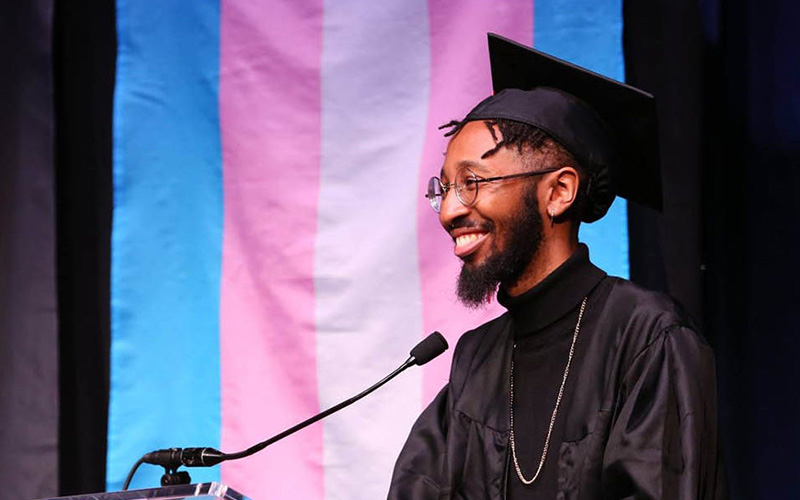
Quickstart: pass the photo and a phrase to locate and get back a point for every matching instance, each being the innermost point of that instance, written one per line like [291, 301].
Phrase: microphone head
[430, 347]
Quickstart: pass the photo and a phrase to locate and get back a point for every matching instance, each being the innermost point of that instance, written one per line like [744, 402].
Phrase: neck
[551, 254]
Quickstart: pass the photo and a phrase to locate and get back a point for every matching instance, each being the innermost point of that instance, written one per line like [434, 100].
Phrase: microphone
[171, 458]
[430, 347]
[190, 457]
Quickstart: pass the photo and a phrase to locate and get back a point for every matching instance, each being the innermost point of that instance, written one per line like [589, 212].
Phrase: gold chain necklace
[555, 410]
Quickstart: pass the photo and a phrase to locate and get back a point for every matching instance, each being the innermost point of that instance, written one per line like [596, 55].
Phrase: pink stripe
[270, 120]
[460, 78]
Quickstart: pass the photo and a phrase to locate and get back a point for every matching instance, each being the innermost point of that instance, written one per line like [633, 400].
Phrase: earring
[552, 213]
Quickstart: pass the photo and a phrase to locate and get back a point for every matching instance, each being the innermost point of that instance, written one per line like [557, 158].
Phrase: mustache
[465, 223]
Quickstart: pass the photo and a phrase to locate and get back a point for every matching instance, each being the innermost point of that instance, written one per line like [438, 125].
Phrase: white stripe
[375, 78]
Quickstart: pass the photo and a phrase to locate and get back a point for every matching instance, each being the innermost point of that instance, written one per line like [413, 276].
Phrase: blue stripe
[167, 236]
[589, 33]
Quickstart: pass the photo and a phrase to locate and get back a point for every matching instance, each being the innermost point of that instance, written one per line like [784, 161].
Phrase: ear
[564, 185]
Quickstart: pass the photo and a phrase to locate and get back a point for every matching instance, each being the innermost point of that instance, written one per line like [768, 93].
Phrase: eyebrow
[474, 166]
[478, 168]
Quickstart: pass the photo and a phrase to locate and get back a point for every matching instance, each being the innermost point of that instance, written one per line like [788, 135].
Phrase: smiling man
[589, 387]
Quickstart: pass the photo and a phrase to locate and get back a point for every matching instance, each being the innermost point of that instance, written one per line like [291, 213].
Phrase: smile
[468, 243]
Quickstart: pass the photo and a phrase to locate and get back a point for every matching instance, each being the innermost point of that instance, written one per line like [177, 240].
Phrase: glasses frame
[477, 180]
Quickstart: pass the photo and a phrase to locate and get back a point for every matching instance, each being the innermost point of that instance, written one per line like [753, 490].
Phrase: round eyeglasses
[466, 186]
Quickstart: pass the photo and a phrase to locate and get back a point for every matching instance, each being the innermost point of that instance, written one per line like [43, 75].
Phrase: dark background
[727, 78]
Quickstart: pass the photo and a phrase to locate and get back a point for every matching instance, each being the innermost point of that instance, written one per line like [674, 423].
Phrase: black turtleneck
[543, 319]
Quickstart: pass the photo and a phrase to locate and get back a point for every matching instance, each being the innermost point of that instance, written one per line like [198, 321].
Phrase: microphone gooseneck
[430, 347]
[171, 458]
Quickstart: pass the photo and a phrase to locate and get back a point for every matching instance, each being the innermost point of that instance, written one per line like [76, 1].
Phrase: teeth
[466, 239]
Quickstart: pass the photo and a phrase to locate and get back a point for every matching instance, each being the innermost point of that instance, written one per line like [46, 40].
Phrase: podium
[200, 491]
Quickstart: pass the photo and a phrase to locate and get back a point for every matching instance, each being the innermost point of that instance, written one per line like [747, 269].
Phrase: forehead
[468, 146]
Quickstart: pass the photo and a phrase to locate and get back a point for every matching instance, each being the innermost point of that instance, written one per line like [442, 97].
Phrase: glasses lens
[466, 187]
[434, 194]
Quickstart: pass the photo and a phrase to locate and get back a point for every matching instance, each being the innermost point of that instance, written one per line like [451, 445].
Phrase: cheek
[502, 237]
[499, 209]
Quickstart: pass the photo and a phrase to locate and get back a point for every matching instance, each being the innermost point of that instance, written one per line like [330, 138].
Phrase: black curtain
[84, 52]
[663, 43]
[755, 240]
[28, 328]
[727, 79]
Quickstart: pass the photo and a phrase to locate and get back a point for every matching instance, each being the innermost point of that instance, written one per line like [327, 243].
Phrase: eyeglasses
[466, 186]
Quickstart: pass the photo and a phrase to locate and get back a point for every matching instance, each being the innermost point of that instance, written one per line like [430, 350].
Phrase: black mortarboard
[608, 126]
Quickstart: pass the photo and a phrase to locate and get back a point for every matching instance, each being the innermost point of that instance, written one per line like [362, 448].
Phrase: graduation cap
[608, 126]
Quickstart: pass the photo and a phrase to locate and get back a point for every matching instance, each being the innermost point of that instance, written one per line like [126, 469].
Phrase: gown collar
[555, 296]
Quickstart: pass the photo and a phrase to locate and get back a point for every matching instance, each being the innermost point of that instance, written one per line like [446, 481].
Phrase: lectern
[201, 491]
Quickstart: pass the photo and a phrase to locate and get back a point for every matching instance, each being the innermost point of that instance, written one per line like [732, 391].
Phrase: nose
[451, 209]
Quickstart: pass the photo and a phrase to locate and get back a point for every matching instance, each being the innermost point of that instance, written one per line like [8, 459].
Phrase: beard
[476, 284]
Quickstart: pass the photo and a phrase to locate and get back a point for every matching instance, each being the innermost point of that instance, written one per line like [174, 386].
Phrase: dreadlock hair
[530, 143]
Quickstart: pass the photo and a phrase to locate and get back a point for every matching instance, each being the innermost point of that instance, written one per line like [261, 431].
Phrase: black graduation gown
[640, 419]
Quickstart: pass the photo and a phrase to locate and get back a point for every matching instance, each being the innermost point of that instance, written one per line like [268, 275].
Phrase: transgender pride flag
[272, 251]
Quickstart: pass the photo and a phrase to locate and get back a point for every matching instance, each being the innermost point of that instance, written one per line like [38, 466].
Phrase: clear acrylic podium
[201, 491]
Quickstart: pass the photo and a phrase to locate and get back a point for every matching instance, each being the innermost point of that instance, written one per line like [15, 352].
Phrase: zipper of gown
[507, 469]
[504, 490]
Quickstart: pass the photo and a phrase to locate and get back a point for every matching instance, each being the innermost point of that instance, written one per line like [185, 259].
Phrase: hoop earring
[552, 215]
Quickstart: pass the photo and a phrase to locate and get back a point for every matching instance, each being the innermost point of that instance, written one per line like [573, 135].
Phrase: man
[588, 387]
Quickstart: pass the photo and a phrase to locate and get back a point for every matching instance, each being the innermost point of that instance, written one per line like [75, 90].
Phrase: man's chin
[476, 285]
[473, 262]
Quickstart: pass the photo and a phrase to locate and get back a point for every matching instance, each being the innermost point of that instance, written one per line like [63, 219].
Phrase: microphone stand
[172, 458]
